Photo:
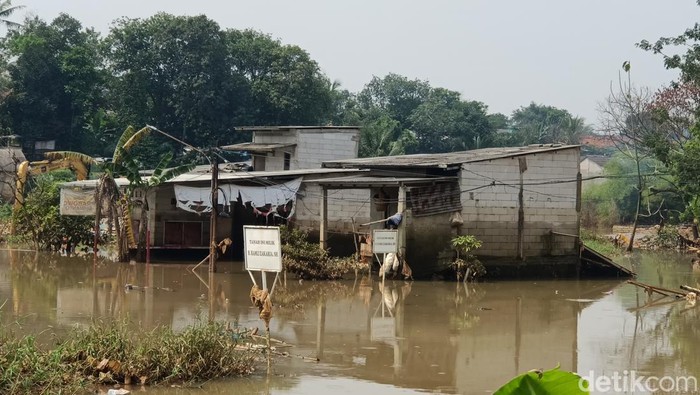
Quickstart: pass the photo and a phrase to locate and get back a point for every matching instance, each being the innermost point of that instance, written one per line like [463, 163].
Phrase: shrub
[309, 261]
[466, 265]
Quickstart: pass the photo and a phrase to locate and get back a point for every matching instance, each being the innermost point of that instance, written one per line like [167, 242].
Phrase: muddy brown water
[418, 337]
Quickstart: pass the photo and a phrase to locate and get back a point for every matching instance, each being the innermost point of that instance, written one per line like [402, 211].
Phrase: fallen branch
[690, 289]
[663, 291]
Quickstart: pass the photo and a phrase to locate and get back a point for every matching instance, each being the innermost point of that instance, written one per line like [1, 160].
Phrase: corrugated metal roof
[446, 159]
[370, 181]
[202, 174]
[196, 176]
[288, 128]
[121, 182]
[256, 147]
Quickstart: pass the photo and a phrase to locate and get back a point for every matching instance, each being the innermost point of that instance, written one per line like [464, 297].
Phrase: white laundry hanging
[197, 199]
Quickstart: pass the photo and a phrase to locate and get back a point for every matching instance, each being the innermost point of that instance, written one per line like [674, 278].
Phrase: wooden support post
[401, 236]
[323, 231]
[214, 213]
[522, 163]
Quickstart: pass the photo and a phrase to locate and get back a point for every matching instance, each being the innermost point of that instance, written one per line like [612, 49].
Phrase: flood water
[400, 338]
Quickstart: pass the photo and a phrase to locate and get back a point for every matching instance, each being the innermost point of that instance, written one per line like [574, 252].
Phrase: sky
[505, 53]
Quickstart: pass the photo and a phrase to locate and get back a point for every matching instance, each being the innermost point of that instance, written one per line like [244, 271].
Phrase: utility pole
[214, 213]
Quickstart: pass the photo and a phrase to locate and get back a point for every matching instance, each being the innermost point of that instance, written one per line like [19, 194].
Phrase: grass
[600, 244]
[118, 352]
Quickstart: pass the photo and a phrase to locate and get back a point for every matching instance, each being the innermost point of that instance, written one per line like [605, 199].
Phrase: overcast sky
[506, 54]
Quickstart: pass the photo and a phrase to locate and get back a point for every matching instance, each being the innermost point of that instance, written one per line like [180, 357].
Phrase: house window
[287, 160]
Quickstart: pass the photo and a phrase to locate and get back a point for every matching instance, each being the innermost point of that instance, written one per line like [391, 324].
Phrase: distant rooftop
[290, 128]
[447, 159]
[599, 160]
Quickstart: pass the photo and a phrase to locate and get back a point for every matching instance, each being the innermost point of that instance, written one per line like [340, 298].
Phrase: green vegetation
[39, 221]
[599, 243]
[466, 265]
[195, 80]
[614, 200]
[307, 260]
[549, 382]
[540, 124]
[116, 352]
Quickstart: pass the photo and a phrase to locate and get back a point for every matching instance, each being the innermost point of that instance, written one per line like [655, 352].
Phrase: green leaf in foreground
[554, 382]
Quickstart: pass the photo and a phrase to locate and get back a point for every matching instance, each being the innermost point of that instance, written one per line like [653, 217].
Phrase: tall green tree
[446, 123]
[285, 86]
[174, 72]
[675, 110]
[383, 136]
[394, 95]
[55, 82]
[425, 119]
[541, 124]
[6, 12]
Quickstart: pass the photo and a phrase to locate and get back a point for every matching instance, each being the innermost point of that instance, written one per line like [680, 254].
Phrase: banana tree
[125, 164]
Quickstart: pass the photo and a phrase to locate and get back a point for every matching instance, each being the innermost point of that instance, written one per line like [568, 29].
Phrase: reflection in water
[360, 335]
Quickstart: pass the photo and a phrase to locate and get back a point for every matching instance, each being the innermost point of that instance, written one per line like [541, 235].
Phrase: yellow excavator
[54, 161]
[77, 165]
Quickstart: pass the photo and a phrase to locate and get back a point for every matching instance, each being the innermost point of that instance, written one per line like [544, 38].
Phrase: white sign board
[382, 328]
[263, 248]
[384, 241]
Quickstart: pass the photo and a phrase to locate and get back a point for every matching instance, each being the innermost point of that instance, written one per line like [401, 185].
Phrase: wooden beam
[323, 231]
[402, 226]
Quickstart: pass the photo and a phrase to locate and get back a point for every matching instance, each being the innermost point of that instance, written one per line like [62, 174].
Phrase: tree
[614, 200]
[286, 87]
[540, 124]
[174, 72]
[395, 95]
[675, 108]
[626, 120]
[383, 136]
[55, 83]
[6, 11]
[446, 123]
[425, 119]
[126, 165]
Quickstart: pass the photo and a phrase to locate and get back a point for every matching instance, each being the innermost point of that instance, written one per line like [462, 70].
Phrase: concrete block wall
[343, 204]
[279, 137]
[313, 146]
[490, 203]
[275, 161]
[316, 146]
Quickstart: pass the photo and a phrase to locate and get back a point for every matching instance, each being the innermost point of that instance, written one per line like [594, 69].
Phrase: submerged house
[523, 203]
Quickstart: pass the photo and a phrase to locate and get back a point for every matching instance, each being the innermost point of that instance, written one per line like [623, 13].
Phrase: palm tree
[6, 11]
